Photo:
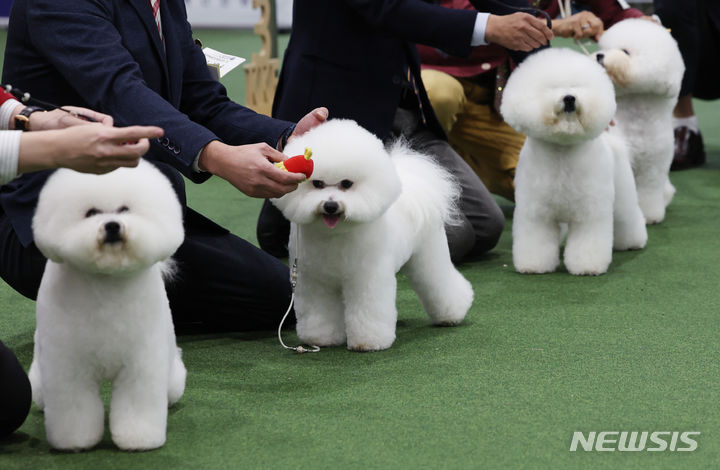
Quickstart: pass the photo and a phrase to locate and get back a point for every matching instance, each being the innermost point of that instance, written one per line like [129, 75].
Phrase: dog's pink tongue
[331, 220]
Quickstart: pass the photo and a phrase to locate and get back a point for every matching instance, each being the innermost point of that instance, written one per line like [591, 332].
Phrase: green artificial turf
[537, 358]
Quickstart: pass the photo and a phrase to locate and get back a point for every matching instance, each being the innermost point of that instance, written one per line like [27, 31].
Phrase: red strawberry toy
[298, 164]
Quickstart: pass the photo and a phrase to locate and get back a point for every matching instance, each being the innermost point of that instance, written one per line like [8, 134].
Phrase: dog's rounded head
[354, 178]
[559, 96]
[641, 57]
[116, 223]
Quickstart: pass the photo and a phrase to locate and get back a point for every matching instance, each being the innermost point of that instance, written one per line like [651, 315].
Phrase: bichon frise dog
[646, 67]
[571, 171]
[102, 309]
[366, 213]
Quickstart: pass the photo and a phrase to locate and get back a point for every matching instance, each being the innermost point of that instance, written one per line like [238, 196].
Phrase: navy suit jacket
[107, 55]
[353, 56]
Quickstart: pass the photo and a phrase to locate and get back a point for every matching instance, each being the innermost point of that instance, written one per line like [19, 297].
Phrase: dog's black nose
[599, 57]
[112, 232]
[331, 207]
[569, 101]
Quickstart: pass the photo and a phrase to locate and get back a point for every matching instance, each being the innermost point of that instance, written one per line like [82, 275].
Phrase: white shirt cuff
[196, 168]
[6, 112]
[478, 37]
[9, 151]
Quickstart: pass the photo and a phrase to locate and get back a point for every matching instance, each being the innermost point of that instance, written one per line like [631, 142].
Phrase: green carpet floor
[538, 358]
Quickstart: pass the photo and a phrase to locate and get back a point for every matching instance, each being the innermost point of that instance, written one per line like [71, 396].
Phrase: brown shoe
[689, 149]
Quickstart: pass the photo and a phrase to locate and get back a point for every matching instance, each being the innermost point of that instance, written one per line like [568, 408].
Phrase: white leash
[293, 282]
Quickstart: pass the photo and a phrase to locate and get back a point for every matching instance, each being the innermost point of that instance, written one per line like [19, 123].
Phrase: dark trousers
[695, 25]
[15, 392]
[222, 281]
[682, 19]
[481, 219]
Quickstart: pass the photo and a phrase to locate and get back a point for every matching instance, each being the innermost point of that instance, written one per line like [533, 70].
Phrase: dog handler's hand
[314, 118]
[59, 119]
[249, 168]
[519, 31]
[91, 148]
[580, 25]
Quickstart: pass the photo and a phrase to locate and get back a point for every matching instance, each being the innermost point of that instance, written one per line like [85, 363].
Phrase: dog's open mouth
[331, 220]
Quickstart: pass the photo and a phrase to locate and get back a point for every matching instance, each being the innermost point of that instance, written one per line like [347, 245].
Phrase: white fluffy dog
[646, 68]
[571, 171]
[365, 214]
[102, 310]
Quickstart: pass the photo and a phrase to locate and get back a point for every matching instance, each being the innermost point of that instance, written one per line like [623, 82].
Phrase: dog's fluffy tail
[169, 270]
[430, 192]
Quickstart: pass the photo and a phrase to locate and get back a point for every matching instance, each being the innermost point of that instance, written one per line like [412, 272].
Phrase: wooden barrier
[261, 73]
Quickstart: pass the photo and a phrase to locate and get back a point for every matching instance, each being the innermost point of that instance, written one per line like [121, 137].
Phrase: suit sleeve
[205, 100]
[79, 39]
[420, 22]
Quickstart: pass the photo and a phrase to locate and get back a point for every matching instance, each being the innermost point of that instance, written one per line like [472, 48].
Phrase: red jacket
[486, 58]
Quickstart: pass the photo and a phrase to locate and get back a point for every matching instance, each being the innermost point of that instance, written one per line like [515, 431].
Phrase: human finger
[134, 133]
[85, 113]
[534, 37]
[541, 26]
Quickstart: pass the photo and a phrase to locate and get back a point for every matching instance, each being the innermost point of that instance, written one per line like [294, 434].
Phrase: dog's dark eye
[91, 212]
[346, 184]
[123, 209]
[626, 51]
[318, 184]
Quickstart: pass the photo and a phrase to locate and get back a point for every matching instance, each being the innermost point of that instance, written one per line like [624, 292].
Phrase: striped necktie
[155, 5]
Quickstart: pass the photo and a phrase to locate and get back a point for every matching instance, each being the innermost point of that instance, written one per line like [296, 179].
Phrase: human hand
[59, 119]
[249, 168]
[578, 26]
[92, 148]
[314, 118]
[519, 31]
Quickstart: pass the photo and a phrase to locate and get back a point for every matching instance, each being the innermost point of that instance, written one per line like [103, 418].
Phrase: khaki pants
[475, 130]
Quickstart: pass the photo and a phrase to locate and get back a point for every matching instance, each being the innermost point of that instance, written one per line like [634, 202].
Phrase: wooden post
[261, 73]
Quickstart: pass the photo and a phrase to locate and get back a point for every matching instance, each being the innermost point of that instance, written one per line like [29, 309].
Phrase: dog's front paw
[367, 343]
[455, 304]
[668, 192]
[653, 209]
[587, 268]
[636, 241]
[138, 437]
[652, 219]
[36, 384]
[73, 433]
[76, 443]
[368, 347]
[530, 267]
[322, 340]
[321, 331]
[535, 260]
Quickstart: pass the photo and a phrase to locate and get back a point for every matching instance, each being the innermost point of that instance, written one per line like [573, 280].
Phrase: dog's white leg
[588, 250]
[178, 374]
[35, 377]
[668, 192]
[536, 245]
[629, 230]
[319, 312]
[139, 405]
[445, 294]
[74, 412]
[651, 188]
[370, 311]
